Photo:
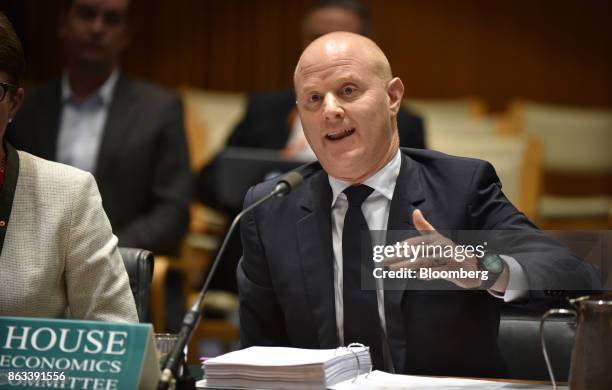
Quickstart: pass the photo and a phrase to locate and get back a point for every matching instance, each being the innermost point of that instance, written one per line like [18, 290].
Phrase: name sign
[72, 354]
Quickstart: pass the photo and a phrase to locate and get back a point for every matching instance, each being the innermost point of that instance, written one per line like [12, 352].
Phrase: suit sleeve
[97, 283]
[261, 318]
[552, 270]
[411, 130]
[162, 228]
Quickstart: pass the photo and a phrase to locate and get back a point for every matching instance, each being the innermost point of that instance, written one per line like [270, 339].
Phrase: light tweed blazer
[60, 256]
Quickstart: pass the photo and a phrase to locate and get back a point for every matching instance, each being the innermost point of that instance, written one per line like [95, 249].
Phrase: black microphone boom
[287, 183]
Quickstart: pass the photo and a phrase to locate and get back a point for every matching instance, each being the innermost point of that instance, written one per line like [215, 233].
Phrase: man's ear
[395, 90]
[16, 101]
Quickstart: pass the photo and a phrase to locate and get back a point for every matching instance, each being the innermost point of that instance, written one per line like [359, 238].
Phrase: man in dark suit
[128, 133]
[299, 278]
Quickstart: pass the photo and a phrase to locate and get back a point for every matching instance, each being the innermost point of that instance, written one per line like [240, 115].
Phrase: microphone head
[288, 182]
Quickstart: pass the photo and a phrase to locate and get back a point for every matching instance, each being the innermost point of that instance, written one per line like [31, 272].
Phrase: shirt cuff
[518, 286]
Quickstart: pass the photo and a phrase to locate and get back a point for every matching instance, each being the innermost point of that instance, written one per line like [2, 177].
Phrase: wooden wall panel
[547, 50]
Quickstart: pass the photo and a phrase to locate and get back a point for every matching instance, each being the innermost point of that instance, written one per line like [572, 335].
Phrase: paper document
[378, 380]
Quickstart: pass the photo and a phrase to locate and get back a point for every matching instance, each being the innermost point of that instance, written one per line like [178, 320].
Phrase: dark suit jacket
[265, 125]
[285, 277]
[142, 170]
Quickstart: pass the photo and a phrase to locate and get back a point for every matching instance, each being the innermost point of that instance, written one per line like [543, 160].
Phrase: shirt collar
[104, 93]
[383, 181]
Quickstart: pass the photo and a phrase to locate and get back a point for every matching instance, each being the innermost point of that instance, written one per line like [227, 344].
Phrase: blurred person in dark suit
[306, 255]
[271, 120]
[58, 254]
[129, 134]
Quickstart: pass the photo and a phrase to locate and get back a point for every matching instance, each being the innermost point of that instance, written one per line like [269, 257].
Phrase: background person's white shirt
[82, 124]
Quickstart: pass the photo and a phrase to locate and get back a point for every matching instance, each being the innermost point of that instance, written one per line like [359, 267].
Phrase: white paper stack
[286, 368]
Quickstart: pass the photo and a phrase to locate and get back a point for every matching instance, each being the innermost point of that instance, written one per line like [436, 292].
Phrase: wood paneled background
[557, 51]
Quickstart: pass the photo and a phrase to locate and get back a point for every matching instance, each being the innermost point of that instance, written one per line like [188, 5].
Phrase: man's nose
[332, 109]
[97, 24]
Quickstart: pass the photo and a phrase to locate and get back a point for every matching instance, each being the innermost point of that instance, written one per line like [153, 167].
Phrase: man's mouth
[338, 135]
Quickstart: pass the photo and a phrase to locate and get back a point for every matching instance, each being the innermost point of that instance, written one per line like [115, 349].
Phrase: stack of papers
[286, 368]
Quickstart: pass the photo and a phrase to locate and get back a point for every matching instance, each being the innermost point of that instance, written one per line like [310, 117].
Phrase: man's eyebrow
[308, 88]
[349, 78]
[340, 80]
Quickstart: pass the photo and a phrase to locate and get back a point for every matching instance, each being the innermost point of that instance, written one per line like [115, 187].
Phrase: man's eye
[86, 13]
[314, 98]
[113, 18]
[348, 91]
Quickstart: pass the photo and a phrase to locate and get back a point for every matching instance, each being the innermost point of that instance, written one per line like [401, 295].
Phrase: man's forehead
[337, 73]
[342, 49]
[339, 69]
[333, 55]
[326, 65]
[104, 5]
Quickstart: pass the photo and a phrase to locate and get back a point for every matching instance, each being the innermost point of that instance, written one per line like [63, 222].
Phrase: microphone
[285, 184]
[288, 182]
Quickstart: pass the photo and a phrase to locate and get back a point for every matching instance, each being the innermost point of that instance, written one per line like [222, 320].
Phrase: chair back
[519, 344]
[517, 160]
[575, 139]
[447, 108]
[210, 117]
[577, 165]
[139, 265]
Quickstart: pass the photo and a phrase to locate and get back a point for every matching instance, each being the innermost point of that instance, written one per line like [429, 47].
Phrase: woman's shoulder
[50, 175]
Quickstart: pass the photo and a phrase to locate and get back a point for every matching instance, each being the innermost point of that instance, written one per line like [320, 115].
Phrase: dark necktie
[361, 320]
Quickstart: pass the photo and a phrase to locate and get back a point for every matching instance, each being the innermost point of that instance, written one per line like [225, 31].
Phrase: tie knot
[357, 194]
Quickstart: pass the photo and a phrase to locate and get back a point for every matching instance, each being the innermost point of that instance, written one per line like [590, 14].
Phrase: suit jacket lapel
[316, 253]
[117, 125]
[48, 120]
[407, 196]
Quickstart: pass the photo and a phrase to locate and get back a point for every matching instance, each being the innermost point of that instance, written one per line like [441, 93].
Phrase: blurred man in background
[128, 133]
[58, 253]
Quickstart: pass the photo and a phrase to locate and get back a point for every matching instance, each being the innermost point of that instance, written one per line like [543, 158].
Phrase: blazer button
[2, 224]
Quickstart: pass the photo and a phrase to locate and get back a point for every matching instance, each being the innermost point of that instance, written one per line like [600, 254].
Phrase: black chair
[139, 265]
[519, 344]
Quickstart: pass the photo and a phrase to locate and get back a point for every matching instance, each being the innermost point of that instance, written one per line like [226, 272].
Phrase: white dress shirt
[82, 124]
[376, 212]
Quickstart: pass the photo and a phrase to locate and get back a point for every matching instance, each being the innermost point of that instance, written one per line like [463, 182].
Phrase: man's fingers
[428, 239]
[388, 261]
[418, 263]
[420, 223]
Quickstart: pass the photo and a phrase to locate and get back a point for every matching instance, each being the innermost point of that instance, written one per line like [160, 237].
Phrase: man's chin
[348, 154]
[346, 166]
[95, 59]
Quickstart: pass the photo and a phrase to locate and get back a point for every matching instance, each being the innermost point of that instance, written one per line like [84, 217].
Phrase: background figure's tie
[361, 320]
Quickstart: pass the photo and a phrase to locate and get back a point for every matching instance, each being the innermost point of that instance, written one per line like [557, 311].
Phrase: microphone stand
[192, 318]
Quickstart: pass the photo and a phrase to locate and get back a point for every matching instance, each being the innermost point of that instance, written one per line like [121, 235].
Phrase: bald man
[300, 276]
